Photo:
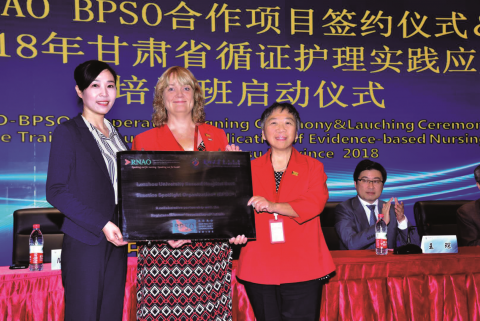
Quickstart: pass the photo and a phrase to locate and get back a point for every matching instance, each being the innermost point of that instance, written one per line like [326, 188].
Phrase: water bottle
[36, 249]
[381, 246]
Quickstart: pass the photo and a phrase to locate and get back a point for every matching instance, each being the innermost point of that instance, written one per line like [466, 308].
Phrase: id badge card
[276, 230]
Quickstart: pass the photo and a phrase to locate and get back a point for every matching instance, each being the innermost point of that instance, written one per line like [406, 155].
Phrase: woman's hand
[232, 148]
[240, 239]
[261, 204]
[113, 234]
[178, 243]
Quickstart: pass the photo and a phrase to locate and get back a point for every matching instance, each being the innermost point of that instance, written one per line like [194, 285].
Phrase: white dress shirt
[401, 225]
[109, 146]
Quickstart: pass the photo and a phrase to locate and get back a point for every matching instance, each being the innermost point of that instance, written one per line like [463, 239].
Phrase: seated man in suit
[468, 219]
[355, 218]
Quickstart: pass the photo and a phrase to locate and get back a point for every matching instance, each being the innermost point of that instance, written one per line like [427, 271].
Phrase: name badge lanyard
[195, 140]
[276, 230]
[277, 234]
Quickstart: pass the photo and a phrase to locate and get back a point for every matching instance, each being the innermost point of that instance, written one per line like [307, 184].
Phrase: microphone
[408, 248]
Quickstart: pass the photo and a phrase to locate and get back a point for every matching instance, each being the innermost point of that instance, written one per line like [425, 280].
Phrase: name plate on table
[439, 244]
[56, 260]
[184, 195]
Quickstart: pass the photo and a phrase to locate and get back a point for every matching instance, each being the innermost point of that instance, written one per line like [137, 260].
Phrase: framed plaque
[184, 195]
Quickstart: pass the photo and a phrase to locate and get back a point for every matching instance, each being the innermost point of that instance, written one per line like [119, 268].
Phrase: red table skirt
[26, 295]
[394, 287]
[366, 287]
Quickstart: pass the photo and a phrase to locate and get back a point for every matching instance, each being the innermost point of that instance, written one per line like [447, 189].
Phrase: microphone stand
[408, 248]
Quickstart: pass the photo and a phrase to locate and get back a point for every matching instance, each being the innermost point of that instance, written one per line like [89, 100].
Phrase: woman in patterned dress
[183, 280]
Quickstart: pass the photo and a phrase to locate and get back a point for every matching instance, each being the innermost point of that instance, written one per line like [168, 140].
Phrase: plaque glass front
[184, 195]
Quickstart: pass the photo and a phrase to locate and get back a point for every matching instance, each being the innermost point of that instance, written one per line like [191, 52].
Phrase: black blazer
[78, 183]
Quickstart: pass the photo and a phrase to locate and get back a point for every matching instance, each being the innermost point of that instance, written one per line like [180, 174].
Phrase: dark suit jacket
[468, 224]
[355, 231]
[78, 183]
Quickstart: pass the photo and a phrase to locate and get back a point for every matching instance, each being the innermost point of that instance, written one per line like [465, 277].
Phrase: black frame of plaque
[146, 217]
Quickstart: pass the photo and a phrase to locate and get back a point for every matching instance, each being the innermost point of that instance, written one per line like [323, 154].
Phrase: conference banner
[393, 81]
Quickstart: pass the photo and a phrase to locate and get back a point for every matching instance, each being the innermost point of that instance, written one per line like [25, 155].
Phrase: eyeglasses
[367, 181]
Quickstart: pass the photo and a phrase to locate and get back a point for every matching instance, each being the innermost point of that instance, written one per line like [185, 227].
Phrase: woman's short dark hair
[87, 72]
[282, 106]
[366, 165]
[476, 173]
[184, 77]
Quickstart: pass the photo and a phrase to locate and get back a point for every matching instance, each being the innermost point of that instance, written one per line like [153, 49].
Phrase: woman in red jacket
[181, 280]
[284, 269]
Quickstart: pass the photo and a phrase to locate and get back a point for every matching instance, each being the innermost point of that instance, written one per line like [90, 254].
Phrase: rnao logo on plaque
[184, 226]
[138, 162]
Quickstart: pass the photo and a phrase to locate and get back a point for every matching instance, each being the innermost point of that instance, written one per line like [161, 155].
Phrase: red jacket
[304, 256]
[161, 139]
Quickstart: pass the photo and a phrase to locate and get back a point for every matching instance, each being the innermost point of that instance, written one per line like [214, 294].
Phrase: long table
[404, 287]
[366, 287]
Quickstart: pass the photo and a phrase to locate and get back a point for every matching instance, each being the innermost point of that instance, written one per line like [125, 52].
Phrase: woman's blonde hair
[184, 77]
